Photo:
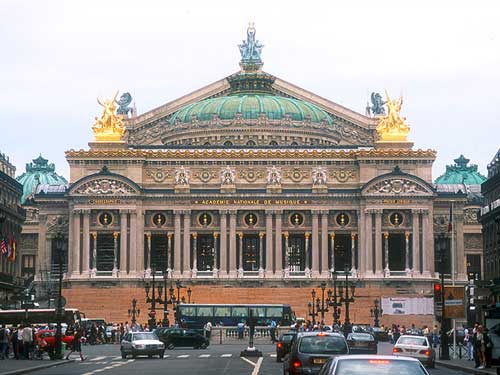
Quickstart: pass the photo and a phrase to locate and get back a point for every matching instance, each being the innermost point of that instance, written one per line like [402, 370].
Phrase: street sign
[454, 302]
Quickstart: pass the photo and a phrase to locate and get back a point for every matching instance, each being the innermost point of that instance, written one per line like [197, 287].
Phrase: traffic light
[437, 292]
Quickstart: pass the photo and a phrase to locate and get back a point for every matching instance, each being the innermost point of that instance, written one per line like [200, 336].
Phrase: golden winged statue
[393, 127]
[109, 127]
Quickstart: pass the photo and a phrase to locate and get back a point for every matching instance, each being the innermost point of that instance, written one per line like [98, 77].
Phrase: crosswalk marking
[183, 356]
[97, 359]
[273, 355]
[116, 358]
[226, 355]
[204, 356]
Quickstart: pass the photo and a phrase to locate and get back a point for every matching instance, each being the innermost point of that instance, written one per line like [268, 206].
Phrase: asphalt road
[217, 359]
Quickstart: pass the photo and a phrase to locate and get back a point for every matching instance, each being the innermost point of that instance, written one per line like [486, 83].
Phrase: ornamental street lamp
[324, 307]
[333, 300]
[445, 350]
[134, 312]
[60, 243]
[376, 312]
[153, 300]
[177, 301]
[347, 300]
[312, 307]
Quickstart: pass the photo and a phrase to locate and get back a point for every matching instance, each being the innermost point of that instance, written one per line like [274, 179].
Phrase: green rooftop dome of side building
[461, 173]
[39, 172]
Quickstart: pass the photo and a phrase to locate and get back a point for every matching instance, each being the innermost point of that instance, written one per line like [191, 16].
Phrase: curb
[36, 368]
[469, 370]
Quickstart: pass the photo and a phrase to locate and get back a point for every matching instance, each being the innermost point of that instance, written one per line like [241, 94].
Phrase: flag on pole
[13, 246]
[450, 219]
[8, 240]
[3, 246]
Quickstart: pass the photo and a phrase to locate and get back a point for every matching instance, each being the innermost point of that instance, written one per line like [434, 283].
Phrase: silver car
[141, 343]
[417, 347]
[373, 365]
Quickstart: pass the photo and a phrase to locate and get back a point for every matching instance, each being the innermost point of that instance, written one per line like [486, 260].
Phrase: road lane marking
[204, 356]
[257, 366]
[226, 355]
[97, 359]
[248, 361]
[273, 355]
[116, 358]
[183, 356]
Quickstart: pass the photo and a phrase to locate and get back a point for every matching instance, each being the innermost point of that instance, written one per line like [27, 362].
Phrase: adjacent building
[11, 219]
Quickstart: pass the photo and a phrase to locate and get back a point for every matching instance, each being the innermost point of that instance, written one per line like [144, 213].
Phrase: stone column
[75, 247]
[86, 243]
[378, 244]
[407, 252]
[177, 242]
[232, 244]
[307, 268]
[278, 260]
[223, 243]
[315, 243]
[269, 243]
[136, 232]
[42, 240]
[386, 252]
[458, 232]
[170, 265]
[261, 253]
[94, 253]
[140, 241]
[286, 266]
[332, 253]
[415, 241]
[361, 219]
[240, 254]
[353, 253]
[186, 267]
[48, 253]
[115, 253]
[123, 242]
[324, 243]
[428, 242]
[194, 254]
[215, 266]
[148, 253]
[69, 269]
[368, 237]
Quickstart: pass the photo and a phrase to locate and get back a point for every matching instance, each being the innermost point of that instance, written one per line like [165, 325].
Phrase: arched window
[228, 143]
[294, 143]
[273, 143]
[251, 143]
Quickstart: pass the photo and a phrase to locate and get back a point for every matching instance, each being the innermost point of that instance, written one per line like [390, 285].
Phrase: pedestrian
[272, 330]
[241, 330]
[208, 330]
[27, 339]
[76, 345]
[488, 348]
[480, 347]
[4, 342]
[468, 343]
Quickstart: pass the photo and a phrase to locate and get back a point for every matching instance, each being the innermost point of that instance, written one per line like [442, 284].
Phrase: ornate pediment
[105, 183]
[398, 184]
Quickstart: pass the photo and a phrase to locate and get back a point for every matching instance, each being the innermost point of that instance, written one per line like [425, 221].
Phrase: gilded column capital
[416, 211]
[94, 235]
[332, 235]
[386, 235]
[115, 235]
[169, 235]
[240, 235]
[285, 234]
[223, 212]
[233, 212]
[195, 235]
[86, 211]
[407, 236]
[262, 234]
[186, 212]
[148, 235]
[216, 235]
[178, 212]
[353, 235]
[315, 212]
[307, 235]
[325, 212]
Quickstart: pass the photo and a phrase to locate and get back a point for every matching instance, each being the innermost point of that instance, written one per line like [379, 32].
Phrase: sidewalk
[465, 366]
[24, 366]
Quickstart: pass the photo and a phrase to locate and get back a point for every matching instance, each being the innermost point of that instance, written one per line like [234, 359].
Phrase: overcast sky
[57, 57]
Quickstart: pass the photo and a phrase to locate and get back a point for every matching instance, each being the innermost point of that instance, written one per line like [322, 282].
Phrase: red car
[49, 335]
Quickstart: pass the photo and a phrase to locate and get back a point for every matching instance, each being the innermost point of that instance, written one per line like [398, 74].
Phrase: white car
[417, 347]
[141, 343]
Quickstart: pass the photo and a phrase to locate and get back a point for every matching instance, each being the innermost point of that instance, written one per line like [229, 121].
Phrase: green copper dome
[40, 172]
[461, 173]
[251, 106]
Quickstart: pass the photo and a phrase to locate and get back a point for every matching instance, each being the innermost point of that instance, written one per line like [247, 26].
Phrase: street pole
[445, 350]
[58, 339]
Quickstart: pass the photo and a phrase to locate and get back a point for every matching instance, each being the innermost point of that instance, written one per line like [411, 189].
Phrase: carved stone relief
[397, 186]
[295, 174]
[57, 223]
[29, 241]
[343, 175]
[273, 175]
[182, 176]
[158, 175]
[319, 176]
[473, 241]
[250, 174]
[105, 186]
[471, 215]
[227, 176]
[205, 175]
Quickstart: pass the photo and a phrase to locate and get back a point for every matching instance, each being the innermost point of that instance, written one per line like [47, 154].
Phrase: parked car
[49, 335]
[417, 347]
[284, 344]
[361, 343]
[178, 337]
[373, 365]
[310, 350]
[379, 334]
[141, 343]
